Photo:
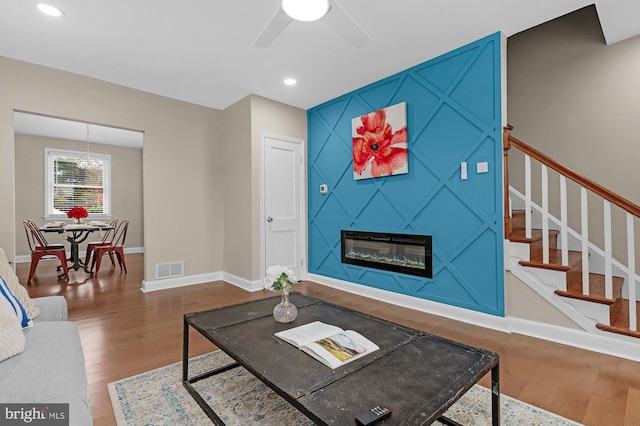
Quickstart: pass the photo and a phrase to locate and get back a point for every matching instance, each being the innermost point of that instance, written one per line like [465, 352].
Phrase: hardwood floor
[126, 332]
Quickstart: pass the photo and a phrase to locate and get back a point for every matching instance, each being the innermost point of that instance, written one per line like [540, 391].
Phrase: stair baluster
[564, 234]
[608, 273]
[604, 288]
[527, 186]
[545, 214]
[631, 259]
[584, 218]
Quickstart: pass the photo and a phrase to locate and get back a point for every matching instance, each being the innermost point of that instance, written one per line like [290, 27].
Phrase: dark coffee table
[416, 374]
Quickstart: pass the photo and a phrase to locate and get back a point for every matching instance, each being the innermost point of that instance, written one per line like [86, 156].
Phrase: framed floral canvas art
[380, 142]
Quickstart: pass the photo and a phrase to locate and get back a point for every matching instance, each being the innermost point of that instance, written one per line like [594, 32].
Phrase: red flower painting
[378, 150]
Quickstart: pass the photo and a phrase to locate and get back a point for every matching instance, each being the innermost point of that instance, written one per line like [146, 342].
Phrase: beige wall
[576, 99]
[278, 119]
[523, 302]
[126, 184]
[182, 177]
[236, 175]
[201, 167]
[245, 122]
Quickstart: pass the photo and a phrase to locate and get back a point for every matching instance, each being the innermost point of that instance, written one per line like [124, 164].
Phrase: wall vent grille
[169, 270]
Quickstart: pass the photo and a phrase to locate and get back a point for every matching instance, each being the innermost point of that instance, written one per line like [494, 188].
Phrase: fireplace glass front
[405, 253]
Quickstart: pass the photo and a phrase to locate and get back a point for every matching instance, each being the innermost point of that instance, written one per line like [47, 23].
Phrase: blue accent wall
[453, 115]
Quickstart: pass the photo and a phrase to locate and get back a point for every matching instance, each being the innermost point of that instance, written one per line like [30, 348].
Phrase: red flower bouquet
[77, 212]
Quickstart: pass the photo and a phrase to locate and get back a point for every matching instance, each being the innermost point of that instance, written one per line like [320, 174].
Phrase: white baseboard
[168, 283]
[242, 283]
[615, 345]
[460, 314]
[620, 346]
[610, 344]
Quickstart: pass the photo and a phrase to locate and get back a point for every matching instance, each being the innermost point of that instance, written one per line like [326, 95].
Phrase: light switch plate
[463, 170]
[482, 167]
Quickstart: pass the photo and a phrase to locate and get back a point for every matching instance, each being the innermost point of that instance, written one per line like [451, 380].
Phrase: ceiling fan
[335, 18]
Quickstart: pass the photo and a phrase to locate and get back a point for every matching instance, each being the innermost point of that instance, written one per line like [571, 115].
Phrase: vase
[78, 221]
[285, 311]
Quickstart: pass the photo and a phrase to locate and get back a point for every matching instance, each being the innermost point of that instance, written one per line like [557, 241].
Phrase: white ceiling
[201, 51]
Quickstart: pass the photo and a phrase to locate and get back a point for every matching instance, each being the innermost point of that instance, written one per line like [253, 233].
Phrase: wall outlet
[482, 167]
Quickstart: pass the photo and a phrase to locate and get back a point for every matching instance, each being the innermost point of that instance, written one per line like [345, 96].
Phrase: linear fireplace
[405, 253]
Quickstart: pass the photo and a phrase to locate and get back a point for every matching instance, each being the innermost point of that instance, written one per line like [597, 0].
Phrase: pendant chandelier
[88, 162]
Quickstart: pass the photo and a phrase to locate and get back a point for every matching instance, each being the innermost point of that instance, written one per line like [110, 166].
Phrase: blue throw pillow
[25, 321]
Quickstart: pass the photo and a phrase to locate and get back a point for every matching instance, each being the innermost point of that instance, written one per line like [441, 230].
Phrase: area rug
[158, 398]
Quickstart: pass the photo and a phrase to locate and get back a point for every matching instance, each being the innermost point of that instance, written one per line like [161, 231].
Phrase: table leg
[187, 382]
[495, 400]
[75, 257]
[77, 237]
[185, 351]
[495, 395]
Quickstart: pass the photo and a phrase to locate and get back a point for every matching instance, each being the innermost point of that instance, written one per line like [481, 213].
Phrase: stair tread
[555, 261]
[596, 289]
[618, 307]
[518, 229]
[618, 330]
[518, 235]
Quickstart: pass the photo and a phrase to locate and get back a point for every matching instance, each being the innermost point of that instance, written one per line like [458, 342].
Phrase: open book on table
[328, 344]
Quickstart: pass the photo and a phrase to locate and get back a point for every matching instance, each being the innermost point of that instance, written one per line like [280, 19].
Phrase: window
[71, 182]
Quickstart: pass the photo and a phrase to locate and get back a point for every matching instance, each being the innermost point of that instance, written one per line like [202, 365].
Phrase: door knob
[269, 219]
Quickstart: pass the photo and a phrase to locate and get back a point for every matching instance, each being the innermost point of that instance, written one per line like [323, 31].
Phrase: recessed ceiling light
[290, 81]
[305, 10]
[47, 9]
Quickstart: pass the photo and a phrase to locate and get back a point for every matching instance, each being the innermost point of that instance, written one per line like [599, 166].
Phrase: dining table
[75, 234]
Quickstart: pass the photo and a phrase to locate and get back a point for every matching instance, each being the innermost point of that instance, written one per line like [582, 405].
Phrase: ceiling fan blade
[345, 26]
[274, 28]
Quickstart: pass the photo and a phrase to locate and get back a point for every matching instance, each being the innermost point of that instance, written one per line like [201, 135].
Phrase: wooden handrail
[600, 190]
[508, 226]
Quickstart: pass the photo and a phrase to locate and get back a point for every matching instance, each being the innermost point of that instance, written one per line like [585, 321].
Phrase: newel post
[505, 154]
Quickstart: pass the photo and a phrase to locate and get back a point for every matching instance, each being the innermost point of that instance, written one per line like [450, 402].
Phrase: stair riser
[518, 221]
[620, 314]
[554, 279]
[574, 279]
[519, 251]
[595, 312]
[536, 247]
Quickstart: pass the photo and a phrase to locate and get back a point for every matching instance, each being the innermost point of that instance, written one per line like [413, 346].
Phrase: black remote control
[373, 415]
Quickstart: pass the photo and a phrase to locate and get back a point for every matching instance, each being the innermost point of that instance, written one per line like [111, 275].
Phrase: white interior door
[283, 212]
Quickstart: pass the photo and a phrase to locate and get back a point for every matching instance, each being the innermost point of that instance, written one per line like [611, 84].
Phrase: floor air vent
[169, 270]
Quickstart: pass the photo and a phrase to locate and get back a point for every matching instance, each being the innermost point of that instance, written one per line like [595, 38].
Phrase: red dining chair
[106, 241]
[41, 248]
[116, 246]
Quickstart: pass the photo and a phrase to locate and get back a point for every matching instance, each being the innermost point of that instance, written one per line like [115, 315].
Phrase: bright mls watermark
[34, 414]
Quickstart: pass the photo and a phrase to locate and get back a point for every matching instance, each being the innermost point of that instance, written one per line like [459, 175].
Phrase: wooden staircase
[618, 306]
[561, 271]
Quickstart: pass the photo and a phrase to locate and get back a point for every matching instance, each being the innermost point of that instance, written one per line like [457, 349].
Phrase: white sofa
[51, 368]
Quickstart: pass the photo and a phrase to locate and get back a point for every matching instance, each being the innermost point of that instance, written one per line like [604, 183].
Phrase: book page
[308, 333]
[341, 348]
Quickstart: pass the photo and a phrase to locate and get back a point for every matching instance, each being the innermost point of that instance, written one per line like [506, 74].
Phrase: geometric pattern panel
[453, 106]
[450, 220]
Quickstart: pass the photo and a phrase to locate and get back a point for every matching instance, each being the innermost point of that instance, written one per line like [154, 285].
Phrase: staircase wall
[574, 98]
[524, 303]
